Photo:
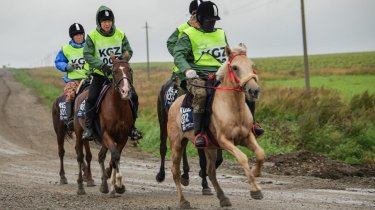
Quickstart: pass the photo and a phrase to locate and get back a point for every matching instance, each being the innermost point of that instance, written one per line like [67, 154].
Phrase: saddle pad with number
[171, 94]
[62, 106]
[186, 111]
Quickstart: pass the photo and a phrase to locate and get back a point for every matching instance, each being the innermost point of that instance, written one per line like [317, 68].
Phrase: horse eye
[235, 68]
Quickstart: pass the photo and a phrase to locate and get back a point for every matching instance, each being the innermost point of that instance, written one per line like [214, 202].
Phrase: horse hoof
[207, 191]
[258, 195]
[184, 181]
[185, 204]
[160, 177]
[112, 194]
[120, 190]
[225, 202]
[104, 189]
[63, 181]
[90, 183]
[81, 192]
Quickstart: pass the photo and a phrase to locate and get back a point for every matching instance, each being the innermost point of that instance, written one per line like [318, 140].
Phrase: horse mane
[241, 48]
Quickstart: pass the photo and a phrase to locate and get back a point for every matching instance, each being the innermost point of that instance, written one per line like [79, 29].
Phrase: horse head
[122, 77]
[238, 72]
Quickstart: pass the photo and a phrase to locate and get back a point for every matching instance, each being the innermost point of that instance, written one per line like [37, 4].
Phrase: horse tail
[163, 119]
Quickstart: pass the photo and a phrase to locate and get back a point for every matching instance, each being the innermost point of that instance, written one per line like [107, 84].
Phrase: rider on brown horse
[199, 52]
[172, 40]
[101, 42]
[70, 60]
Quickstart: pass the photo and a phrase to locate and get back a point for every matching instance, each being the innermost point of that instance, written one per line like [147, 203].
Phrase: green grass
[346, 85]
[45, 91]
[327, 61]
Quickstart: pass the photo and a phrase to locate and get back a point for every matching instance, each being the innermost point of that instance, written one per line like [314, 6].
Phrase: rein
[233, 76]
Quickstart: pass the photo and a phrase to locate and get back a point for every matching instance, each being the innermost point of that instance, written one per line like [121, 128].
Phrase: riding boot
[134, 134]
[256, 129]
[69, 113]
[88, 133]
[200, 141]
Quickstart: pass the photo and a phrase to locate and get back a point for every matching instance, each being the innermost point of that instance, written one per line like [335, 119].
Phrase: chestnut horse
[62, 134]
[230, 124]
[168, 94]
[115, 119]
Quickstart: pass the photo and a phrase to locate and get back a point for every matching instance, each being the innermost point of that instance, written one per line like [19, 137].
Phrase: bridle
[117, 83]
[233, 76]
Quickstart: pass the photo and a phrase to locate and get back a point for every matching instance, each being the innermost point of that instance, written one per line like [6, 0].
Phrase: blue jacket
[61, 61]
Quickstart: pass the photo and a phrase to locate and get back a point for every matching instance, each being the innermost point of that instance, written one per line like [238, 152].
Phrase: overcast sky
[32, 31]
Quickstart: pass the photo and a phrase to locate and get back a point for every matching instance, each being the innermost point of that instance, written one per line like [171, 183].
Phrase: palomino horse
[230, 124]
[167, 95]
[115, 121]
[63, 133]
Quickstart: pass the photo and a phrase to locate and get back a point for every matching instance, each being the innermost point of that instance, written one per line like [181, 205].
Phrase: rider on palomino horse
[198, 52]
[70, 60]
[100, 43]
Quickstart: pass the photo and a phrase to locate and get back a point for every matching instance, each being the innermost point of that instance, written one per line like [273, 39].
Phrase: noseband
[233, 76]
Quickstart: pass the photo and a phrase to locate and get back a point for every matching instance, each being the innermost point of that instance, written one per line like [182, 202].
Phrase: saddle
[83, 85]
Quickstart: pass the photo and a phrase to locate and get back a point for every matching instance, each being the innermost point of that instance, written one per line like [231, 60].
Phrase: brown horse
[230, 124]
[62, 134]
[167, 95]
[115, 119]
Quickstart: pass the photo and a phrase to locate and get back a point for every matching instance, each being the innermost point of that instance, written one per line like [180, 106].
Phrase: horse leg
[211, 155]
[101, 158]
[163, 117]
[185, 167]
[60, 145]
[176, 160]
[259, 155]
[119, 184]
[206, 190]
[88, 175]
[255, 190]
[79, 151]
[115, 158]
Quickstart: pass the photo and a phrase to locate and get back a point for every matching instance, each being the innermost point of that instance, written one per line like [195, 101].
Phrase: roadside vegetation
[336, 120]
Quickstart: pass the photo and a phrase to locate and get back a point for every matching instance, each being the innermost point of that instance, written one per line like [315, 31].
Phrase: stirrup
[88, 134]
[70, 124]
[200, 145]
[135, 134]
[257, 129]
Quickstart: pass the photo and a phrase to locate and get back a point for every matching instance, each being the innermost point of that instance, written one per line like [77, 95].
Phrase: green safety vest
[106, 45]
[75, 55]
[180, 29]
[208, 48]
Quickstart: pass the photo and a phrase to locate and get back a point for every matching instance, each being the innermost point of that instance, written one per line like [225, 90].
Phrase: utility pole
[148, 56]
[305, 57]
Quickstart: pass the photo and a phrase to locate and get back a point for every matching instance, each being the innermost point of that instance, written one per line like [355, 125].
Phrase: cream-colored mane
[241, 48]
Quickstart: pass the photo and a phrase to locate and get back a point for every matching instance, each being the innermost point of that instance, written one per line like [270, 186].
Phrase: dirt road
[29, 168]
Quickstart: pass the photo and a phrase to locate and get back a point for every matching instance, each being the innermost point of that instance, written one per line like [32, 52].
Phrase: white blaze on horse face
[124, 89]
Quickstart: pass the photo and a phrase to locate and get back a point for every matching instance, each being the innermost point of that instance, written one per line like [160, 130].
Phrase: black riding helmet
[105, 15]
[194, 6]
[207, 11]
[75, 29]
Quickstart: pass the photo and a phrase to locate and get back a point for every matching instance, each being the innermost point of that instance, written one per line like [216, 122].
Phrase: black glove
[106, 69]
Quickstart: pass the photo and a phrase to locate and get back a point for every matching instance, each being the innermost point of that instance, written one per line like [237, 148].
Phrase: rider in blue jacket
[70, 60]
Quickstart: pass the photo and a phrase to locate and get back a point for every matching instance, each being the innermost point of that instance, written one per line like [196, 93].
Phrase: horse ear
[243, 47]
[228, 51]
[112, 56]
[126, 56]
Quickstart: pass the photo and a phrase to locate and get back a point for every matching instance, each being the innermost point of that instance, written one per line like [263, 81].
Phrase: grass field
[346, 85]
[336, 120]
